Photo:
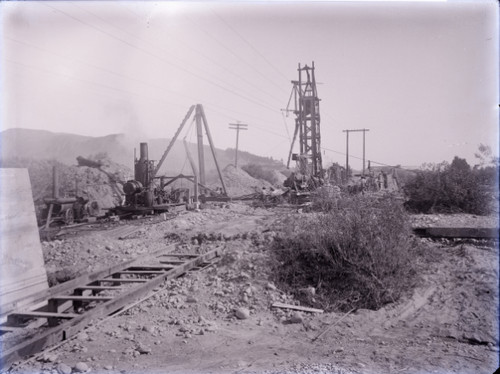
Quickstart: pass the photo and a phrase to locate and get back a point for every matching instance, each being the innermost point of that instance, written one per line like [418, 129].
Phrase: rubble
[242, 313]
[207, 314]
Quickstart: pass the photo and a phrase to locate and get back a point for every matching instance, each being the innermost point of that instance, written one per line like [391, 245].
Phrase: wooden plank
[11, 328]
[69, 328]
[43, 315]
[140, 272]
[458, 232]
[151, 267]
[99, 288]
[125, 280]
[173, 262]
[297, 307]
[187, 255]
[82, 298]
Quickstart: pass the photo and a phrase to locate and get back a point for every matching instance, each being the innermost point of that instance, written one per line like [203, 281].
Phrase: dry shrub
[357, 255]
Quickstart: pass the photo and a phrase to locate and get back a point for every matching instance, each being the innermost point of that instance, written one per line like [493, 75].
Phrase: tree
[460, 165]
[485, 157]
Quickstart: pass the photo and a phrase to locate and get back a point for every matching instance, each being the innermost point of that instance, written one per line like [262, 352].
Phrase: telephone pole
[347, 148]
[237, 126]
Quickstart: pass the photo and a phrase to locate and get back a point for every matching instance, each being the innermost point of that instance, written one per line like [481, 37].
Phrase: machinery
[67, 210]
[147, 192]
[307, 124]
[309, 174]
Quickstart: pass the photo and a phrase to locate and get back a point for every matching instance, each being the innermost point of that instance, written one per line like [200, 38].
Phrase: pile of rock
[238, 182]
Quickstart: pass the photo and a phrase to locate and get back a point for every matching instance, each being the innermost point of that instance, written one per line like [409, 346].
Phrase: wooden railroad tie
[71, 294]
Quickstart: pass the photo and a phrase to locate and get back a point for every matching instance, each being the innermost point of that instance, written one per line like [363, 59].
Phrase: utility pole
[237, 126]
[347, 148]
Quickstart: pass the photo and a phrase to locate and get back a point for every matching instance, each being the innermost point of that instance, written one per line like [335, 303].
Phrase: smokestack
[141, 165]
[55, 182]
[144, 151]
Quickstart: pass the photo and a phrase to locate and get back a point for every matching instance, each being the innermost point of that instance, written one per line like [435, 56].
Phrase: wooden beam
[99, 288]
[458, 232]
[27, 315]
[297, 307]
[173, 262]
[140, 272]
[187, 255]
[125, 280]
[151, 267]
[82, 298]
[70, 285]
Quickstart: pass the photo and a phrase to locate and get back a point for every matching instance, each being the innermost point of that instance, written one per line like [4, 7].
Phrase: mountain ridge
[65, 147]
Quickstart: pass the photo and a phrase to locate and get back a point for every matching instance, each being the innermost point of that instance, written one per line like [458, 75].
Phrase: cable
[237, 56]
[286, 127]
[159, 58]
[184, 62]
[119, 75]
[227, 69]
[250, 45]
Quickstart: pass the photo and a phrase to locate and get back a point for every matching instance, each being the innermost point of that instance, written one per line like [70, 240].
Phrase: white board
[22, 269]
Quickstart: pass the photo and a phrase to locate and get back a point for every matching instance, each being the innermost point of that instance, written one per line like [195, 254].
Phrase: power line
[184, 62]
[238, 76]
[251, 66]
[169, 102]
[160, 58]
[212, 105]
[85, 81]
[250, 45]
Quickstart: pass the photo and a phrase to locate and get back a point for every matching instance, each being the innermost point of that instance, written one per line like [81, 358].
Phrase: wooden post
[201, 155]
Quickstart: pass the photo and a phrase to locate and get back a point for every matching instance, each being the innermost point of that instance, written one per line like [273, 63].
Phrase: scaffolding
[307, 123]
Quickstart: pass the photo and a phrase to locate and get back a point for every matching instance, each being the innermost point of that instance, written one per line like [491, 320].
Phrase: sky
[422, 77]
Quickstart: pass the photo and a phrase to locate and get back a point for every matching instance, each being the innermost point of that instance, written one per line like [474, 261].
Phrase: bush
[357, 255]
[450, 188]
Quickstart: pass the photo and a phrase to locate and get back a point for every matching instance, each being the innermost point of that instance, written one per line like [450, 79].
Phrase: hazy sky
[423, 77]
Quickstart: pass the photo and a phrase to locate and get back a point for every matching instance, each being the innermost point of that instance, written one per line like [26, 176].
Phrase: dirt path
[448, 325]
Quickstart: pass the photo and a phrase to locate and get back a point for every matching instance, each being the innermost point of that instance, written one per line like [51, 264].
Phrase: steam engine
[140, 191]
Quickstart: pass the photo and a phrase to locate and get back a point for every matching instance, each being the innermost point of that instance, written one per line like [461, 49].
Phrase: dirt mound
[238, 182]
[103, 185]
[280, 177]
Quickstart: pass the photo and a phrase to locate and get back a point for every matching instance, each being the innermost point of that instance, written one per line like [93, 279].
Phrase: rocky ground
[220, 320]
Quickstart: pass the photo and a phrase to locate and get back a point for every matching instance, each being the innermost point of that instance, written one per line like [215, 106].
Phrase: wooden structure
[70, 306]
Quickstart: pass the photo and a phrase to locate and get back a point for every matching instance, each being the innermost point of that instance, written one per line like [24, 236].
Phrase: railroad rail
[64, 310]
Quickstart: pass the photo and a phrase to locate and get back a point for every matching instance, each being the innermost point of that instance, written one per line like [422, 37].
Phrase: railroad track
[64, 310]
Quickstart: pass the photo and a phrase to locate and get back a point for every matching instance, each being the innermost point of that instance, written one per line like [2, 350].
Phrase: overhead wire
[286, 127]
[48, 71]
[251, 66]
[184, 62]
[253, 125]
[238, 76]
[249, 44]
[159, 58]
[210, 105]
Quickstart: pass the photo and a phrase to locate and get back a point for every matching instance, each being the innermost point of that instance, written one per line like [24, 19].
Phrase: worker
[362, 184]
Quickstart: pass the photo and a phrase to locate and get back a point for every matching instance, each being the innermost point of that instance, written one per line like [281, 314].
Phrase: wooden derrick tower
[307, 123]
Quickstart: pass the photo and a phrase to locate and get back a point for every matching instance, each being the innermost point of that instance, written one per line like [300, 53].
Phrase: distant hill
[65, 147]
